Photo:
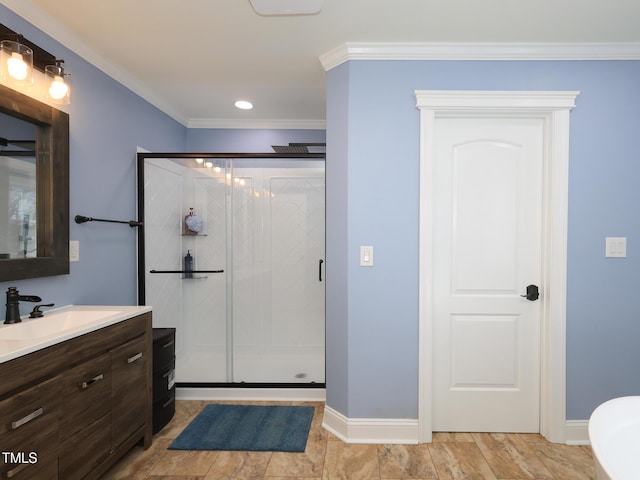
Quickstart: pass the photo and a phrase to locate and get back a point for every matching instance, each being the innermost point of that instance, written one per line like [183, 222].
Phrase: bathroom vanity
[76, 391]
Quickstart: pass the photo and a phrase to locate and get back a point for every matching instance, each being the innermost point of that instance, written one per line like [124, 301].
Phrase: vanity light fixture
[19, 58]
[243, 105]
[286, 7]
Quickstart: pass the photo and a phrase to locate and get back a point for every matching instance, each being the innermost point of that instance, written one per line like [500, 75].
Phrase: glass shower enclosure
[231, 255]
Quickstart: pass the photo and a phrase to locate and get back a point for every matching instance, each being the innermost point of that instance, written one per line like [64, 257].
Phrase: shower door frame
[141, 157]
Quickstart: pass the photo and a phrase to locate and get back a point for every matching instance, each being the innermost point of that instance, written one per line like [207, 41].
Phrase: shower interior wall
[262, 319]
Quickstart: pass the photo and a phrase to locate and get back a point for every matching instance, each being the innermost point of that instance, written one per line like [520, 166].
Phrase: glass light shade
[16, 62]
[58, 87]
[286, 7]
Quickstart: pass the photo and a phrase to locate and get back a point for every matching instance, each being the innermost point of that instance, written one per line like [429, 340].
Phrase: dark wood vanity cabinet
[72, 410]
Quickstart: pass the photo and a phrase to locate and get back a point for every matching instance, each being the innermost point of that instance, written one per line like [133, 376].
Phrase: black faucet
[13, 304]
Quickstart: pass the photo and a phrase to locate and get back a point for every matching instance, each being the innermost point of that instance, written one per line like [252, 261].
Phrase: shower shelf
[194, 234]
[184, 271]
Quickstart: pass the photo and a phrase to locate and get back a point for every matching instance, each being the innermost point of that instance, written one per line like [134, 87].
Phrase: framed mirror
[34, 188]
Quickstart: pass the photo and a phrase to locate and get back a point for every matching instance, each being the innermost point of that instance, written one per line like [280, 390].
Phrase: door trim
[553, 108]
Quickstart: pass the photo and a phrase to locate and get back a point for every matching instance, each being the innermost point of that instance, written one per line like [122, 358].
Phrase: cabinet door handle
[12, 473]
[33, 415]
[168, 344]
[137, 356]
[95, 379]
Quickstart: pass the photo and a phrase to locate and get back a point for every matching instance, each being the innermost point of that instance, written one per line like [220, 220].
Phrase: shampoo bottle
[188, 265]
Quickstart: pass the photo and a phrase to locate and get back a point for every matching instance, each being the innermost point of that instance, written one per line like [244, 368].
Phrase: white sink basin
[53, 323]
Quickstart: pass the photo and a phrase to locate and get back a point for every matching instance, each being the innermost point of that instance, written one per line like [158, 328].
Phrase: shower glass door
[260, 320]
[277, 254]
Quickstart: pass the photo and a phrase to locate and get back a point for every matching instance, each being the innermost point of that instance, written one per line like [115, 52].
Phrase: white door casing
[487, 248]
[552, 108]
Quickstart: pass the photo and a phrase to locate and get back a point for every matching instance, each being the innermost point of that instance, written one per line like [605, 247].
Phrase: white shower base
[288, 368]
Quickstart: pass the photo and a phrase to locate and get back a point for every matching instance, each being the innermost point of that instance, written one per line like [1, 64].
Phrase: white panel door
[487, 249]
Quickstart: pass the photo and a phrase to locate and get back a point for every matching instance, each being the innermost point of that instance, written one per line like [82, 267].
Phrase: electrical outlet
[74, 250]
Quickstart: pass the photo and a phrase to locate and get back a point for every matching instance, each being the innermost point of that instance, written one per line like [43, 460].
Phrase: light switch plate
[615, 247]
[366, 256]
[74, 250]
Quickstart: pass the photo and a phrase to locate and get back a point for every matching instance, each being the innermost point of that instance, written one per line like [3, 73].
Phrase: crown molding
[64, 36]
[268, 124]
[480, 51]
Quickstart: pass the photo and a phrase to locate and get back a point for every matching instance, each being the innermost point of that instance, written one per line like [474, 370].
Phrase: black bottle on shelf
[188, 265]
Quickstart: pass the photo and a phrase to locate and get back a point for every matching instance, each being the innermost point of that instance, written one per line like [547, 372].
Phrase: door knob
[532, 293]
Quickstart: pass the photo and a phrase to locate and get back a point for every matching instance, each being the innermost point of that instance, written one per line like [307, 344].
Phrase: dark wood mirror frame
[52, 187]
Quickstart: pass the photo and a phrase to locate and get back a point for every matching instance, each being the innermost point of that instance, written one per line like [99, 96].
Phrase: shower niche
[248, 305]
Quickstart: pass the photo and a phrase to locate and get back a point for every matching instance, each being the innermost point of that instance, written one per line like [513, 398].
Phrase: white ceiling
[194, 58]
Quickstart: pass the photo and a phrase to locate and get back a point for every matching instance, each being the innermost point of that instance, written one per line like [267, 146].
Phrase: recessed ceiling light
[286, 7]
[244, 105]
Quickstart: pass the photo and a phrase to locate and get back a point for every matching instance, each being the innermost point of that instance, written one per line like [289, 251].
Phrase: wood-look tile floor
[451, 456]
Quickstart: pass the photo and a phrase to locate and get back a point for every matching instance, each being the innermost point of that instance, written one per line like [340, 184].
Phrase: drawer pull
[95, 379]
[33, 415]
[168, 344]
[12, 473]
[137, 356]
[167, 403]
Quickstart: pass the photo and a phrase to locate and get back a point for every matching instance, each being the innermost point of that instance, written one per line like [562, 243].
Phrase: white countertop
[58, 325]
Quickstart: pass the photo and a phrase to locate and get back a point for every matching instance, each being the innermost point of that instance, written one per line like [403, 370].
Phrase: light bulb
[17, 67]
[199, 160]
[58, 88]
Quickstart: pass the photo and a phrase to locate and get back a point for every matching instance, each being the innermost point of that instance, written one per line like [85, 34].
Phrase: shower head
[297, 147]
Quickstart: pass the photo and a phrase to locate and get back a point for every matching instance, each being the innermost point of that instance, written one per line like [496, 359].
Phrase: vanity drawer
[35, 458]
[27, 412]
[29, 432]
[86, 394]
[85, 450]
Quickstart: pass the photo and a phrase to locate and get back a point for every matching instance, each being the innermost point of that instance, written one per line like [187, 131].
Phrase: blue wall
[247, 140]
[373, 117]
[107, 123]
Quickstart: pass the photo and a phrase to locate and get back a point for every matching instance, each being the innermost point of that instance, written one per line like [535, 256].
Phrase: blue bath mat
[258, 428]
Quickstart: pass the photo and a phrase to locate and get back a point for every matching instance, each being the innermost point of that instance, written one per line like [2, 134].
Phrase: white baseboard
[370, 430]
[380, 430]
[253, 394]
[577, 432]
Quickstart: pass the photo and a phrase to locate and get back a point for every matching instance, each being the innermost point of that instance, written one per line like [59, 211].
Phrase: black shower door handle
[320, 262]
